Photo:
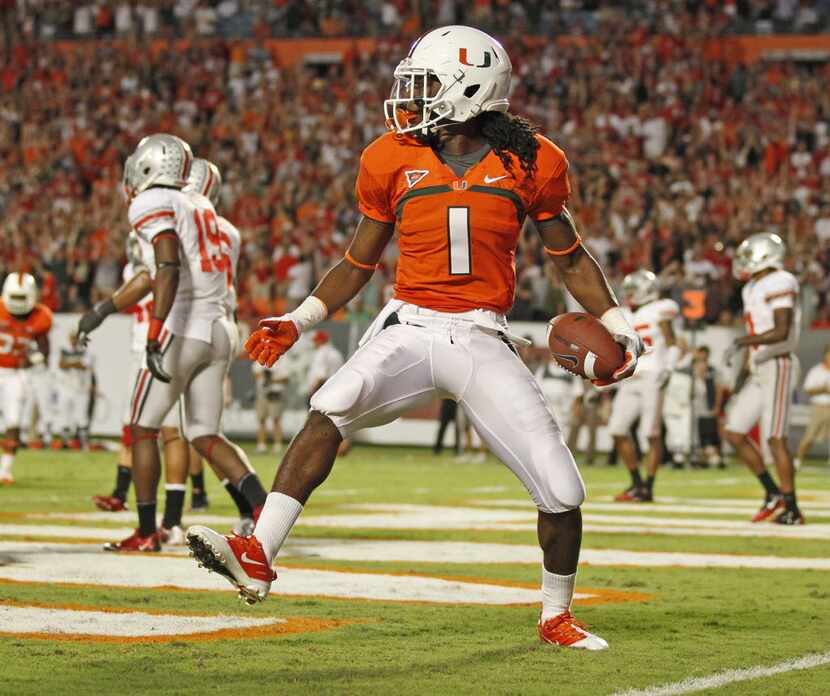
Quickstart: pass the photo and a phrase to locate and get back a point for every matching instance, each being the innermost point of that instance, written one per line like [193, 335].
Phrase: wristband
[312, 311]
[156, 325]
[614, 320]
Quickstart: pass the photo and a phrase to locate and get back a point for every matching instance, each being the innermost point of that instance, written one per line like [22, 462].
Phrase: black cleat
[790, 517]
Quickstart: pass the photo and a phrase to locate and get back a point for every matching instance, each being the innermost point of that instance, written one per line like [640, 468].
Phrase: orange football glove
[274, 337]
[633, 347]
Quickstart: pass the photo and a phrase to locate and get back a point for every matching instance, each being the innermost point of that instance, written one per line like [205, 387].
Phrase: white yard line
[732, 676]
[58, 621]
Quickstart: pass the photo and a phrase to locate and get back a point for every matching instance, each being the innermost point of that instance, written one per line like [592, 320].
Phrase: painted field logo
[462, 58]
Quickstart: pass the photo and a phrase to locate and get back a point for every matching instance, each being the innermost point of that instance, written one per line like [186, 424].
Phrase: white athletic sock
[6, 461]
[557, 593]
[279, 514]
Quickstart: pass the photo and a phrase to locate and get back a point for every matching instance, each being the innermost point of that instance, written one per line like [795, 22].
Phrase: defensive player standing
[773, 320]
[189, 330]
[642, 395]
[24, 340]
[135, 297]
[205, 179]
[456, 180]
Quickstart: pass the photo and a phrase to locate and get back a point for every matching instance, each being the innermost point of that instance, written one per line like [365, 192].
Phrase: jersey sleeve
[42, 321]
[373, 196]
[782, 293]
[554, 189]
[151, 213]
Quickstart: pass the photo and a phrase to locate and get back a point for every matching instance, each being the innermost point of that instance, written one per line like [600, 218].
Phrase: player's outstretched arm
[130, 293]
[585, 280]
[276, 335]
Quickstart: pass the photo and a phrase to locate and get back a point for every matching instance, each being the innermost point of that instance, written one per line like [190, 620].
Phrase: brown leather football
[582, 345]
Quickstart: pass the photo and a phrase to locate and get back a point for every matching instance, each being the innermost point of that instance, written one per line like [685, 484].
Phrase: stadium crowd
[674, 159]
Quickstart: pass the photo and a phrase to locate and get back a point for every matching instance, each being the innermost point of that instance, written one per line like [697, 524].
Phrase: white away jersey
[232, 240]
[761, 298]
[141, 311]
[203, 285]
[646, 321]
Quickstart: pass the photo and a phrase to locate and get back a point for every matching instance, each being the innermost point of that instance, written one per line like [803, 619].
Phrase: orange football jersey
[457, 235]
[17, 335]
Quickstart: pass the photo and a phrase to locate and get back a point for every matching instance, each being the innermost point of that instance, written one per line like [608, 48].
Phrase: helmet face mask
[19, 293]
[451, 75]
[758, 253]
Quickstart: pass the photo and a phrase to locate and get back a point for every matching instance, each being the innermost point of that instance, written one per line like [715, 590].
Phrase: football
[582, 345]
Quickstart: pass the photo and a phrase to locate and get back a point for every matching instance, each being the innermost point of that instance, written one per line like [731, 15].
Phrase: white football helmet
[757, 253]
[159, 160]
[640, 288]
[205, 179]
[19, 293]
[473, 70]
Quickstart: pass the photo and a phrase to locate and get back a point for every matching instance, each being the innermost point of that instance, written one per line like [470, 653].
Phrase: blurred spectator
[817, 386]
[676, 153]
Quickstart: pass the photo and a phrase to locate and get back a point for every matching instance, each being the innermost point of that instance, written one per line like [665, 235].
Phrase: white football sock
[279, 514]
[557, 593]
[6, 461]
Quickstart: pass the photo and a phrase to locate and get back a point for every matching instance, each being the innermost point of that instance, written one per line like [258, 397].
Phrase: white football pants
[433, 355]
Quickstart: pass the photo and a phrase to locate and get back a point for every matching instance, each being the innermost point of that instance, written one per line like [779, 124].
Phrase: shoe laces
[565, 628]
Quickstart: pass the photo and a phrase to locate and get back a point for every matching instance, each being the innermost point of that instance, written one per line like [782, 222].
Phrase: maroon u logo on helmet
[462, 57]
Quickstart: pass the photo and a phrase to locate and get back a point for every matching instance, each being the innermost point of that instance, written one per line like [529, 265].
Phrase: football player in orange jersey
[24, 341]
[456, 178]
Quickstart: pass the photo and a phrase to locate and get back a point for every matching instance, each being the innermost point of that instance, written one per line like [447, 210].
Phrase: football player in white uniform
[137, 284]
[188, 332]
[773, 321]
[76, 382]
[642, 395]
[205, 180]
[442, 334]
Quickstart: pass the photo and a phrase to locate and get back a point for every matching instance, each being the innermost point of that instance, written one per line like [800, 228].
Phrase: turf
[695, 621]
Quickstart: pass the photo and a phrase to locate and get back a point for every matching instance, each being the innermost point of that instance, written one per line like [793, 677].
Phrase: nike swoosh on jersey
[245, 559]
[488, 180]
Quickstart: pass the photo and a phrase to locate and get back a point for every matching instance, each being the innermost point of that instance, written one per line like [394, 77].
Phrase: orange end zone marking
[285, 626]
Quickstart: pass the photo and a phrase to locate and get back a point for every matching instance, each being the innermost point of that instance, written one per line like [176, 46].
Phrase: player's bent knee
[140, 432]
[169, 435]
[339, 395]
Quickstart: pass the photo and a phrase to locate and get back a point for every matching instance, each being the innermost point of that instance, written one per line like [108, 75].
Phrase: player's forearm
[132, 292]
[167, 283]
[341, 285]
[774, 335]
[586, 282]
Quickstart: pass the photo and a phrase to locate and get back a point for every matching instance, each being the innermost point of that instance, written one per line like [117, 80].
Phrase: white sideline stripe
[23, 620]
[719, 679]
[127, 516]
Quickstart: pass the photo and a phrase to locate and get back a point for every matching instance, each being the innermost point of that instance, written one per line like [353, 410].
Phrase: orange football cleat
[564, 630]
[629, 495]
[241, 560]
[136, 542]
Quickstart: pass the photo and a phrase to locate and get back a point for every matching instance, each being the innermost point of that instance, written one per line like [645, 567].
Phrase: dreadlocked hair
[510, 134]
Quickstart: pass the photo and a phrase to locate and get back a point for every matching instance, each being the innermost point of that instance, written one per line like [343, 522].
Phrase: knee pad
[560, 486]
[139, 433]
[338, 396]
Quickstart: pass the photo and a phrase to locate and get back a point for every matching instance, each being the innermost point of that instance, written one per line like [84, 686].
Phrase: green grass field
[667, 617]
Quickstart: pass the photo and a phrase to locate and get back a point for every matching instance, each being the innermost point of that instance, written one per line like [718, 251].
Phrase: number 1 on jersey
[458, 234]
